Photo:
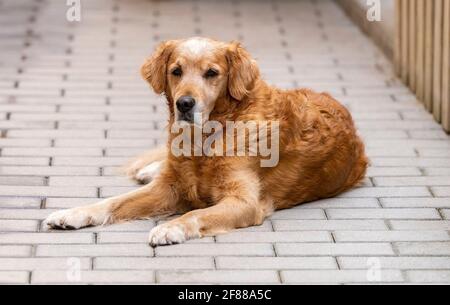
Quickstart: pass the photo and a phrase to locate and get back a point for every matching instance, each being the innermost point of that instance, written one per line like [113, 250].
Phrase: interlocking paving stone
[383, 214]
[434, 276]
[423, 248]
[391, 236]
[46, 238]
[30, 264]
[340, 276]
[15, 251]
[241, 249]
[426, 225]
[94, 250]
[328, 225]
[279, 263]
[415, 202]
[78, 110]
[403, 263]
[153, 263]
[18, 225]
[330, 249]
[93, 277]
[16, 202]
[219, 276]
[14, 277]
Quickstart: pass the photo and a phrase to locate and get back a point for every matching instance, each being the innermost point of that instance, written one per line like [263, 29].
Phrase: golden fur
[321, 154]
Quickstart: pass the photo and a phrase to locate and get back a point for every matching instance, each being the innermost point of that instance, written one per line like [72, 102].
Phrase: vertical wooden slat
[422, 53]
[437, 60]
[404, 36]
[428, 86]
[446, 68]
[412, 44]
[420, 68]
[398, 37]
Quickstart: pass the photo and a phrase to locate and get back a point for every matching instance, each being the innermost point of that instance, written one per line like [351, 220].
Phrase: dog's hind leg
[146, 167]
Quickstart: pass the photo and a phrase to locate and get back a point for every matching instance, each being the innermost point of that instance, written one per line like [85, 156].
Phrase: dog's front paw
[168, 234]
[78, 218]
[68, 220]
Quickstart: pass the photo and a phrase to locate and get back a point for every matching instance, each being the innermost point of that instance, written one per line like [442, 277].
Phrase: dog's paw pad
[167, 234]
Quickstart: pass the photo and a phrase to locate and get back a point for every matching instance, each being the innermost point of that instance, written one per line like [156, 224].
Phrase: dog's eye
[177, 72]
[211, 73]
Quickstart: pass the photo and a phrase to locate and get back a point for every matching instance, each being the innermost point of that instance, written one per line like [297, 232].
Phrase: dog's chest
[199, 181]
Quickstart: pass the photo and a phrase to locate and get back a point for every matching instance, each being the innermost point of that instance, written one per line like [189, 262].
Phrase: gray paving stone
[391, 236]
[435, 276]
[140, 250]
[402, 263]
[16, 161]
[50, 171]
[90, 181]
[297, 213]
[93, 277]
[48, 191]
[24, 142]
[46, 238]
[18, 225]
[272, 237]
[16, 202]
[330, 249]
[241, 249]
[52, 152]
[424, 249]
[13, 277]
[415, 202]
[153, 263]
[276, 263]
[388, 192]
[383, 214]
[427, 225]
[15, 251]
[339, 276]
[329, 225]
[393, 171]
[443, 171]
[214, 277]
[22, 181]
[30, 264]
[56, 133]
[411, 181]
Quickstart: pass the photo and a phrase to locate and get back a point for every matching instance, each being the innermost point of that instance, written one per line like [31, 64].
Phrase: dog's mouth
[186, 117]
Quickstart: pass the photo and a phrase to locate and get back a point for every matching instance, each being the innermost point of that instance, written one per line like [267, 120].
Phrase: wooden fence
[422, 53]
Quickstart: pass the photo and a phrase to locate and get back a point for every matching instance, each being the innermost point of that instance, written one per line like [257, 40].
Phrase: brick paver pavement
[73, 109]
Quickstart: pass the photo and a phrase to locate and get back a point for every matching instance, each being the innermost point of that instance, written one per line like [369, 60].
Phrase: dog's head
[195, 73]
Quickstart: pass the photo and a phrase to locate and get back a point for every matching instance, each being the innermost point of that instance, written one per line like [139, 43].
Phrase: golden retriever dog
[320, 153]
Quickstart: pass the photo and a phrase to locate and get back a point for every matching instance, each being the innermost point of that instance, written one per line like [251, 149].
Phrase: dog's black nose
[185, 104]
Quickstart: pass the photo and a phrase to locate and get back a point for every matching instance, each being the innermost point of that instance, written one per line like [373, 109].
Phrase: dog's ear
[155, 68]
[243, 71]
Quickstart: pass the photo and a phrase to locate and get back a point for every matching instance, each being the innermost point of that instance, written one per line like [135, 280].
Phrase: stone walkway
[73, 109]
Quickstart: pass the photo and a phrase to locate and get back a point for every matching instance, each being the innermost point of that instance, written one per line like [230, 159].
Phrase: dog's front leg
[231, 213]
[157, 198]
